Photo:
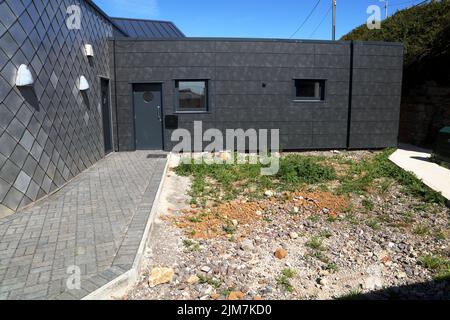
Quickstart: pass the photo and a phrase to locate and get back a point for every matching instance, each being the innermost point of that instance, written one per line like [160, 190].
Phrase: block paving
[95, 222]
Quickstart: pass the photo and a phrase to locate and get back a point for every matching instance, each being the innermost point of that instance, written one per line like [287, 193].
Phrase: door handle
[158, 109]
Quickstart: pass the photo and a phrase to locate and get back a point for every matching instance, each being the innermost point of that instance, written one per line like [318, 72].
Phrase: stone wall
[425, 109]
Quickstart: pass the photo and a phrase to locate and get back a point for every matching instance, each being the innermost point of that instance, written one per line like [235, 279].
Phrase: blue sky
[251, 18]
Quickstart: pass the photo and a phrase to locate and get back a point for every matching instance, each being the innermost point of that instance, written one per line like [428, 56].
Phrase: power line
[403, 3]
[321, 22]
[307, 18]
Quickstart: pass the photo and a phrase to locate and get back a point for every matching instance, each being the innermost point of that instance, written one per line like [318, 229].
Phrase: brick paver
[95, 222]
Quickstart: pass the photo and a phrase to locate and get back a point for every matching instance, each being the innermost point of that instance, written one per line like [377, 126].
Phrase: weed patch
[215, 283]
[362, 174]
[315, 243]
[437, 263]
[284, 279]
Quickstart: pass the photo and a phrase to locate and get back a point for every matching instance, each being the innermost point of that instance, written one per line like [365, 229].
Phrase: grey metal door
[147, 99]
[106, 116]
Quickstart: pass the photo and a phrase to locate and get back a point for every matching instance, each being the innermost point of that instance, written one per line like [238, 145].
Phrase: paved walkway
[95, 222]
[416, 160]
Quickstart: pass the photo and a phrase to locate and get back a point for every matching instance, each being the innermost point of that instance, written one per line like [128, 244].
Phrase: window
[192, 95]
[311, 90]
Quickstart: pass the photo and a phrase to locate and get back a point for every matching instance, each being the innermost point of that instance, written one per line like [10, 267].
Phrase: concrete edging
[122, 283]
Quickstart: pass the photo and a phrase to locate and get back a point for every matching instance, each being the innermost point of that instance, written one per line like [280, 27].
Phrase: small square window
[192, 95]
[307, 89]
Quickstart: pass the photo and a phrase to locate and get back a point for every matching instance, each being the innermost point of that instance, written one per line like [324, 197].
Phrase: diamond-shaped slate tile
[55, 129]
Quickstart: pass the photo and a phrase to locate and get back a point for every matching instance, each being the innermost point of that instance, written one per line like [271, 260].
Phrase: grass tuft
[284, 279]
[437, 263]
[315, 243]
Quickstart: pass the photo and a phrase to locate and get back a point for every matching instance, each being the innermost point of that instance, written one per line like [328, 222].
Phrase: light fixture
[83, 84]
[89, 50]
[24, 76]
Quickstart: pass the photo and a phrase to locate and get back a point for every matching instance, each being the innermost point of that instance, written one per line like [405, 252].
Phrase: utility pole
[333, 28]
[386, 4]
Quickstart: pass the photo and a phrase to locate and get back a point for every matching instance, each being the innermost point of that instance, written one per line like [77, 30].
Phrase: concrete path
[416, 160]
[95, 223]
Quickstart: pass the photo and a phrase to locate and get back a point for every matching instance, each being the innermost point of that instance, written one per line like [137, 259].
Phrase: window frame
[323, 94]
[191, 110]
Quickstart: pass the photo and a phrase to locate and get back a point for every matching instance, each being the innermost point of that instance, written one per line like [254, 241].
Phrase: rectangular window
[192, 95]
[307, 89]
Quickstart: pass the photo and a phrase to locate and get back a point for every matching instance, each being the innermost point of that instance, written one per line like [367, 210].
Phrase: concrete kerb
[122, 283]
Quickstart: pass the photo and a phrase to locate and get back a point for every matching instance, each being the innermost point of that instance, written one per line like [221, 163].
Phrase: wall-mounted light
[83, 84]
[89, 50]
[24, 76]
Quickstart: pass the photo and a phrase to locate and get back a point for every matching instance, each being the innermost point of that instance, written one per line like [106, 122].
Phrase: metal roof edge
[343, 42]
[151, 20]
[106, 16]
[238, 39]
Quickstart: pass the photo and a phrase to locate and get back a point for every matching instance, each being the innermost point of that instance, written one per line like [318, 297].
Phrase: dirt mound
[237, 216]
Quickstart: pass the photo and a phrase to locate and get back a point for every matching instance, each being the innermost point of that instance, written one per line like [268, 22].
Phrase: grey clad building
[72, 91]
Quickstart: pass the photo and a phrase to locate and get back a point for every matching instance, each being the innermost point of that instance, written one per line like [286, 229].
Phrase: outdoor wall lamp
[24, 76]
[89, 50]
[83, 84]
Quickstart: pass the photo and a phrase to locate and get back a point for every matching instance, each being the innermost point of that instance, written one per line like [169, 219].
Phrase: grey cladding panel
[167, 60]
[264, 60]
[378, 49]
[378, 62]
[251, 86]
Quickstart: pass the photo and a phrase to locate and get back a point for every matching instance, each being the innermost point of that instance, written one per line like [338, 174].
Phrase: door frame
[111, 125]
[132, 83]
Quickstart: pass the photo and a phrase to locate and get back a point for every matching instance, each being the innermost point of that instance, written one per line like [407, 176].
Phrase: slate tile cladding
[137, 28]
[237, 70]
[48, 139]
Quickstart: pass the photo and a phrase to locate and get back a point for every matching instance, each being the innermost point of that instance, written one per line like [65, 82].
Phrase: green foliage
[368, 204]
[224, 182]
[296, 169]
[315, 243]
[421, 29]
[374, 224]
[355, 294]
[421, 230]
[289, 273]
[434, 262]
[438, 264]
[284, 279]
[229, 228]
[361, 176]
[209, 280]
[319, 256]
[191, 245]
[332, 267]
[234, 179]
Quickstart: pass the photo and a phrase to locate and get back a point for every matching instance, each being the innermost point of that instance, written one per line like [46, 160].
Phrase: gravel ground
[296, 248]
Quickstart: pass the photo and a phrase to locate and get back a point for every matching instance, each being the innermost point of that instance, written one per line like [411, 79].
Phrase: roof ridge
[140, 19]
[105, 15]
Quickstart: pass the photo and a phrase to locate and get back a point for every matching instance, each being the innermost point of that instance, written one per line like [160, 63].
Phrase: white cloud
[135, 8]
